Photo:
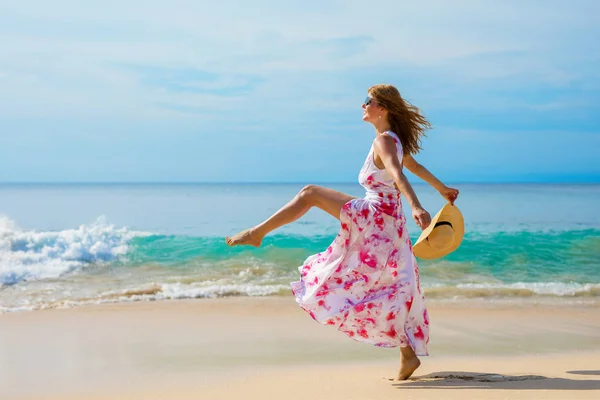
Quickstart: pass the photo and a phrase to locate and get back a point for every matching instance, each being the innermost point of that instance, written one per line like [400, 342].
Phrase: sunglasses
[368, 100]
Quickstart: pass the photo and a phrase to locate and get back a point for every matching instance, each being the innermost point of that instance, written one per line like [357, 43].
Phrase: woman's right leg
[409, 362]
[328, 200]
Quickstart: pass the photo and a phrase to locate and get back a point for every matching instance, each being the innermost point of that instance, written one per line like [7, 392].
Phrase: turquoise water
[62, 245]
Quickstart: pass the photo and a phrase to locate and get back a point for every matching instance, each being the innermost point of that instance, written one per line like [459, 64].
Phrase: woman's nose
[364, 106]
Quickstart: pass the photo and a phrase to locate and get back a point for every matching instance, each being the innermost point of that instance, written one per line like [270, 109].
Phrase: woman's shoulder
[394, 136]
[379, 141]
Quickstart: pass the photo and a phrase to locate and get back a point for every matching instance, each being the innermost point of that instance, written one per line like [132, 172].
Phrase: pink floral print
[366, 283]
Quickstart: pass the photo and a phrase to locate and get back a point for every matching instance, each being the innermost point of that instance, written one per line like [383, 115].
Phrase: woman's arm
[387, 152]
[413, 166]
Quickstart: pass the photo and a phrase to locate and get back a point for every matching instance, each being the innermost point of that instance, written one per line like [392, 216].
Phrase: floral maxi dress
[366, 283]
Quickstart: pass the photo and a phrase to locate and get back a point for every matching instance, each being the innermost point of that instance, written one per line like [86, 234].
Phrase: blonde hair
[405, 119]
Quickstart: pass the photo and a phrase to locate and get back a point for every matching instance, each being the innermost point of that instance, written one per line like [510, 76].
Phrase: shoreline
[541, 301]
[244, 347]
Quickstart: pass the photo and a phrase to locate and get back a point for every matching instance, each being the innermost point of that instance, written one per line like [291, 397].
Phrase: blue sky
[271, 91]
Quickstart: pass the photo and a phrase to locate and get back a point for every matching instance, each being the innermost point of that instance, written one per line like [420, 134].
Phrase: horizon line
[592, 182]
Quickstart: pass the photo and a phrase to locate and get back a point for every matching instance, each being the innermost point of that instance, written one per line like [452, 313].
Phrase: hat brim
[449, 213]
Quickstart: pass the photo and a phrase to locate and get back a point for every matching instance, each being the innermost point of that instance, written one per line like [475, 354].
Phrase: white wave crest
[32, 255]
[538, 288]
[153, 292]
[179, 291]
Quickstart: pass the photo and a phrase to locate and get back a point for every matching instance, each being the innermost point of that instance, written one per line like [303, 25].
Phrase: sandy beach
[267, 348]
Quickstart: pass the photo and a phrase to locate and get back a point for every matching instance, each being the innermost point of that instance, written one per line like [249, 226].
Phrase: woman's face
[372, 110]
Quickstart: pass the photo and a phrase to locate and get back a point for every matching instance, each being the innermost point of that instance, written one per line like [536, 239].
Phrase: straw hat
[443, 235]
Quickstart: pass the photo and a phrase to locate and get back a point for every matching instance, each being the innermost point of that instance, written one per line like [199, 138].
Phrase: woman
[366, 283]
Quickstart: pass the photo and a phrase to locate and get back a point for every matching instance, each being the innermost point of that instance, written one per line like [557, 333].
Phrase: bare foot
[407, 368]
[248, 237]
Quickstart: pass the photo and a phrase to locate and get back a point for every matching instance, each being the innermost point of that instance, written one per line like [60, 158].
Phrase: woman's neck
[381, 126]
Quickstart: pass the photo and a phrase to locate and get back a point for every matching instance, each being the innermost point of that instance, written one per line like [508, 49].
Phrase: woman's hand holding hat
[449, 194]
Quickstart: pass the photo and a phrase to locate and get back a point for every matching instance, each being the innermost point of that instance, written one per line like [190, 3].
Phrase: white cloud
[68, 57]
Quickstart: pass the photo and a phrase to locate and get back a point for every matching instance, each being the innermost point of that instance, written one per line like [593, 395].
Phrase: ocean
[64, 245]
